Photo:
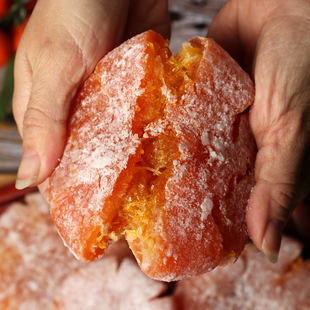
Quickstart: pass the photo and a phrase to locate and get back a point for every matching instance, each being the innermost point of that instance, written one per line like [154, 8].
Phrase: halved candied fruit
[159, 149]
[141, 203]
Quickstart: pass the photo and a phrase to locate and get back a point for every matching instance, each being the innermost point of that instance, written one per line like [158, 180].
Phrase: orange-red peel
[159, 149]
[252, 283]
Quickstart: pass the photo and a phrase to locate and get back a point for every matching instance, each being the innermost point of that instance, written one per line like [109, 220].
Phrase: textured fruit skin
[198, 218]
[214, 175]
[99, 147]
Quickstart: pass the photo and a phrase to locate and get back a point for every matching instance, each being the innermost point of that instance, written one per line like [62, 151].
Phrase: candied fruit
[159, 149]
[33, 260]
[252, 283]
[38, 272]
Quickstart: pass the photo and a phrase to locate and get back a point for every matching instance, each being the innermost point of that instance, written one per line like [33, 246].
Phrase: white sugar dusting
[154, 129]
[252, 283]
[206, 207]
[116, 287]
[101, 143]
[196, 120]
[33, 260]
[100, 139]
[205, 138]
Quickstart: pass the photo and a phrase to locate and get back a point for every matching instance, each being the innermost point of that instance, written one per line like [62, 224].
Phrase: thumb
[282, 172]
[50, 66]
[44, 125]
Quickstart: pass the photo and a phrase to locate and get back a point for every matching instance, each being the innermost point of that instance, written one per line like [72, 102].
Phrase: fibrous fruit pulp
[159, 149]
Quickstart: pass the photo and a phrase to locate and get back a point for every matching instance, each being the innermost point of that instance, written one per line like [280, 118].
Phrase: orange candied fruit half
[92, 209]
[138, 160]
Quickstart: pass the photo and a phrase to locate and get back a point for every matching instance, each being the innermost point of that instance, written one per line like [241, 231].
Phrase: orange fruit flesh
[144, 158]
[145, 194]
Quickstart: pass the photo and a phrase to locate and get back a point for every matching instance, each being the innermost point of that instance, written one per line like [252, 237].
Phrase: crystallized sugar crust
[122, 287]
[200, 221]
[215, 167]
[38, 272]
[99, 145]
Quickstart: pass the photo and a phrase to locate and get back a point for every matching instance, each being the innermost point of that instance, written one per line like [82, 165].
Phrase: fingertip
[43, 147]
[44, 190]
[28, 170]
[258, 213]
[272, 239]
[265, 221]
[251, 247]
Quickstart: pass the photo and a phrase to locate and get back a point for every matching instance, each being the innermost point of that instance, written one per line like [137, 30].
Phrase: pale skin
[270, 40]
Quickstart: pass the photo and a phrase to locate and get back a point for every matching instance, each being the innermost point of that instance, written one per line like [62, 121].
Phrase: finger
[251, 247]
[278, 169]
[65, 54]
[266, 33]
[237, 28]
[279, 119]
[146, 15]
[44, 123]
[22, 89]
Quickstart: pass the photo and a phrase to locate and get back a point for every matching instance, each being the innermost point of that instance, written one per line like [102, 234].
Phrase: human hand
[61, 45]
[271, 40]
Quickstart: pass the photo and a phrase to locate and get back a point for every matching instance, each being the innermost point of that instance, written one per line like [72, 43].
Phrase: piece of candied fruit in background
[33, 260]
[38, 272]
[252, 283]
[159, 149]
[107, 284]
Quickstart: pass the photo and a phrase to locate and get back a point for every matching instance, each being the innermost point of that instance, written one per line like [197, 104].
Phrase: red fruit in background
[4, 7]
[5, 48]
[30, 6]
[17, 32]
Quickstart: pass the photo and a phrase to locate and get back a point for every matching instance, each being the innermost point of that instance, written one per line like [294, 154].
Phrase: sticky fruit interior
[140, 189]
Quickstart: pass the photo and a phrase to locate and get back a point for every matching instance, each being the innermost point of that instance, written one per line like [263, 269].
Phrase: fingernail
[28, 169]
[272, 240]
[251, 247]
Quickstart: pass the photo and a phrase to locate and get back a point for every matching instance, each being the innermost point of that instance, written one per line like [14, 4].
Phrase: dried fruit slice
[159, 149]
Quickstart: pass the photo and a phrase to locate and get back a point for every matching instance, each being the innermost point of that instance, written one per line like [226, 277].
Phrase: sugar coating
[37, 272]
[99, 145]
[213, 165]
[213, 172]
[206, 207]
[251, 283]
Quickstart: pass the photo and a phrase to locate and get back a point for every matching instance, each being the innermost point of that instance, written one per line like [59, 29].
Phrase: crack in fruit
[144, 195]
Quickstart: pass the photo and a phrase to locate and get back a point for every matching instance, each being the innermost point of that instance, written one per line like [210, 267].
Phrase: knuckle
[284, 198]
[37, 119]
